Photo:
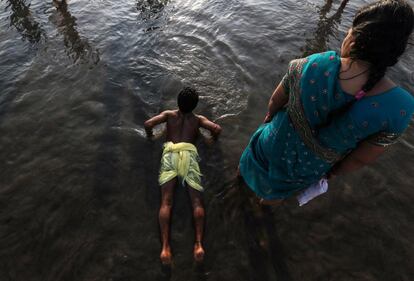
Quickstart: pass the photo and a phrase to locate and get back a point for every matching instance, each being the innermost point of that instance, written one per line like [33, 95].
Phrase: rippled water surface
[78, 179]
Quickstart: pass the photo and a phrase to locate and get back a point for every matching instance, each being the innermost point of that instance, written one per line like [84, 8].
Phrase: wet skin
[181, 127]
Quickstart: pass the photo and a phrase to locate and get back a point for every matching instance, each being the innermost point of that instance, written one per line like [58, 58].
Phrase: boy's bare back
[182, 127]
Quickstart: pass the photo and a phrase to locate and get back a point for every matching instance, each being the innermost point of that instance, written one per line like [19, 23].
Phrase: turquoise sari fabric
[303, 142]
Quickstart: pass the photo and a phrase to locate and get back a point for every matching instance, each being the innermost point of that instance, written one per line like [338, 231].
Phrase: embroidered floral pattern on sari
[285, 155]
[297, 114]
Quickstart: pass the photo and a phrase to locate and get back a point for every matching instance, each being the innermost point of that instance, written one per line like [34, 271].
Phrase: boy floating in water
[180, 159]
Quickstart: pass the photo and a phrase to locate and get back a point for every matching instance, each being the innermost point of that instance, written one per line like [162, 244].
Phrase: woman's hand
[267, 118]
[276, 102]
[331, 175]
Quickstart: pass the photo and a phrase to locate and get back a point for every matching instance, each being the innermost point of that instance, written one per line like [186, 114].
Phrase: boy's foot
[166, 256]
[198, 252]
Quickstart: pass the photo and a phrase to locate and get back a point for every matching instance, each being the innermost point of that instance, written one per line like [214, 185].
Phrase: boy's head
[187, 100]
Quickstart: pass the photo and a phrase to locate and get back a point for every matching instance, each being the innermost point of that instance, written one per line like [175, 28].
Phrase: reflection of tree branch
[21, 18]
[325, 28]
[66, 23]
[150, 9]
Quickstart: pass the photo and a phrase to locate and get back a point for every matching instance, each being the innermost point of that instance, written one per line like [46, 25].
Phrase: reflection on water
[325, 28]
[151, 11]
[21, 18]
[78, 48]
[78, 180]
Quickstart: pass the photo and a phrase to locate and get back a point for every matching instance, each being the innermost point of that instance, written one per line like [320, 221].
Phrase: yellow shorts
[180, 160]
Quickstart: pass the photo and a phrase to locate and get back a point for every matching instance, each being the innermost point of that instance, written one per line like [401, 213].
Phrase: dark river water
[78, 179]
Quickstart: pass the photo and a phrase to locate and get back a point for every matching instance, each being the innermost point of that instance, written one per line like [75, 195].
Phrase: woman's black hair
[381, 31]
[187, 100]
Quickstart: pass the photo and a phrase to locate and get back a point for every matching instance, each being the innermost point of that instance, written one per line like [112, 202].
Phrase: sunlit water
[78, 179]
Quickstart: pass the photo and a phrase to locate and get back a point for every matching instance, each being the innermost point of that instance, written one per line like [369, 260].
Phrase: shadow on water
[214, 180]
[22, 19]
[78, 48]
[252, 229]
[325, 28]
[144, 164]
[107, 160]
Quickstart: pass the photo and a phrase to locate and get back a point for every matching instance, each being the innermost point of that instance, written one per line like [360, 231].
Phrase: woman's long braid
[376, 73]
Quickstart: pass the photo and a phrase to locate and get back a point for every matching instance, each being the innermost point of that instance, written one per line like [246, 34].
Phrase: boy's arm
[152, 122]
[214, 128]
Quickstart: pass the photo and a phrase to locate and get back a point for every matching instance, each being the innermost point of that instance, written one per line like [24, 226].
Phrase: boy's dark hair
[382, 30]
[187, 100]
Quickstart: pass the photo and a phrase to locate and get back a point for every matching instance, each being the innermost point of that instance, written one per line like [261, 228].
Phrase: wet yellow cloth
[180, 159]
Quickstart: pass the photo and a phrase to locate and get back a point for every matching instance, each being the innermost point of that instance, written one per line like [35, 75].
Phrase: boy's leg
[167, 192]
[198, 215]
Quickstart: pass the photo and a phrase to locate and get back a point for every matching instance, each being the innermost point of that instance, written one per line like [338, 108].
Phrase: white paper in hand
[312, 191]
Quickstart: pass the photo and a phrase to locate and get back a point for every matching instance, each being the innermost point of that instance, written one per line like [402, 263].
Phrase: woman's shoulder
[392, 98]
[325, 58]
[320, 61]
[391, 110]
[326, 62]
[405, 95]
[397, 96]
[402, 102]
[329, 59]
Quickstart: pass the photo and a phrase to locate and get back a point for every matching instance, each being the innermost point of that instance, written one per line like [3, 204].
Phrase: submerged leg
[198, 215]
[167, 191]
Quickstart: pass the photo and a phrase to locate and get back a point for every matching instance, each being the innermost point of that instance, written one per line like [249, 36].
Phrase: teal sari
[302, 142]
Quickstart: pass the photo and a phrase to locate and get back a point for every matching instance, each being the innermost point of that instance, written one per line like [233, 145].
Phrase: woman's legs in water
[167, 192]
[260, 201]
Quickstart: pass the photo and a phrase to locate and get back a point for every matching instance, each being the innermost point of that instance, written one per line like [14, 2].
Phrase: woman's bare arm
[276, 102]
[365, 154]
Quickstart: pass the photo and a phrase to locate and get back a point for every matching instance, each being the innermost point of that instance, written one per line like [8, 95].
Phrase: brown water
[78, 179]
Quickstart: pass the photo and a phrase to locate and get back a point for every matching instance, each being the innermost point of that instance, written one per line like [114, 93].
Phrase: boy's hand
[214, 128]
[216, 132]
[150, 123]
[158, 134]
[148, 131]
[206, 137]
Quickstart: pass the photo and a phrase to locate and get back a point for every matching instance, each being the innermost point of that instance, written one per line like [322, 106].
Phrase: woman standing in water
[333, 114]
